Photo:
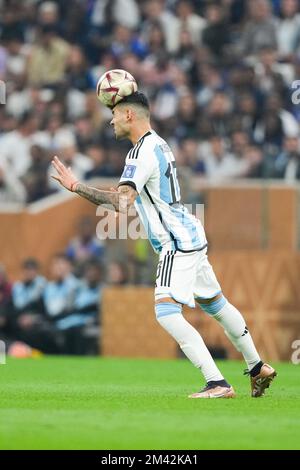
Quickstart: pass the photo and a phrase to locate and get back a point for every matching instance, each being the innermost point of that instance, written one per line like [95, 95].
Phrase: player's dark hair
[135, 98]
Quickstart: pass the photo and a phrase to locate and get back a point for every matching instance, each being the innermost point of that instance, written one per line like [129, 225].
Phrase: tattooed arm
[119, 200]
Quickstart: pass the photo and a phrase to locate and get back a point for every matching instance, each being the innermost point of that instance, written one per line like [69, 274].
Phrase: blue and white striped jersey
[150, 168]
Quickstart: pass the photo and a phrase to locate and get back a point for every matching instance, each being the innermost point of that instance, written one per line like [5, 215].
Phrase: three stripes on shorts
[165, 269]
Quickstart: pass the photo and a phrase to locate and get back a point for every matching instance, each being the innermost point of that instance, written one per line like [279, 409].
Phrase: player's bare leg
[261, 375]
[169, 315]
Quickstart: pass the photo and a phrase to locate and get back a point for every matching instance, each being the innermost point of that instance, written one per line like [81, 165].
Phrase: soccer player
[184, 275]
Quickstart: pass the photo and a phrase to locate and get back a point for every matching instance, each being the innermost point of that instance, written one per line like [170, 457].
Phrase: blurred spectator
[30, 323]
[189, 163]
[97, 156]
[254, 160]
[272, 76]
[15, 145]
[186, 122]
[209, 81]
[288, 30]
[190, 155]
[220, 165]
[241, 79]
[287, 164]
[35, 179]
[156, 40]
[78, 162]
[85, 246]
[239, 142]
[156, 11]
[55, 131]
[219, 119]
[115, 164]
[124, 42]
[260, 28]
[3, 58]
[216, 34]
[275, 123]
[27, 294]
[190, 21]
[77, 74]
[105, 11]
[85, 314]
[235, 11]
[48, 14]
[12, 37]
[247, 114]
[184, 57]
[59, 294]
[117, 274]
[48, 59]
[97, 115]
[85, 134]
[102, 16]
[74, 21]
[19, 101]
[11, 189]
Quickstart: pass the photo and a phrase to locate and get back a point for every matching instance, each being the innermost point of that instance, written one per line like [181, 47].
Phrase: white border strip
[11, 208]
[64, 195]
[197, 185]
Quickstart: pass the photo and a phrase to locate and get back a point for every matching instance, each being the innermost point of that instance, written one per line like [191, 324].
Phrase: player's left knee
[164, 309]
[212, 306]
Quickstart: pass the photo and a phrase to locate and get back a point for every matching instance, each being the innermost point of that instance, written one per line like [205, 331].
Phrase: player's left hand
[64, 176]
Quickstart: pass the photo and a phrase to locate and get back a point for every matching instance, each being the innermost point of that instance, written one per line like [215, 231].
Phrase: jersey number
[171, 175]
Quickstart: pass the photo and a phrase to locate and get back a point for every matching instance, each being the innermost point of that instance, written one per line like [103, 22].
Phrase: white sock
[189, 340]
[236, 330]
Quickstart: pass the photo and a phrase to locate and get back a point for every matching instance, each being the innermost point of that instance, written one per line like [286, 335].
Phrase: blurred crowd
[59, 311]
[218, 75]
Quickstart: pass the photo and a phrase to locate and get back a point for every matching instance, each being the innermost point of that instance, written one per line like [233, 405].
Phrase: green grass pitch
[102, 403]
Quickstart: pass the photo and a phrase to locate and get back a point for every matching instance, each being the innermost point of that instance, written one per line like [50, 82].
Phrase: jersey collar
[144, 135]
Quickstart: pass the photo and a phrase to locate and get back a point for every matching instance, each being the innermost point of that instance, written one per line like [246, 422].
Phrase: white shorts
[184, 276]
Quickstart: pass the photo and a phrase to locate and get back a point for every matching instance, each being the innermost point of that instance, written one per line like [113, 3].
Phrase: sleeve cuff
[128, 183]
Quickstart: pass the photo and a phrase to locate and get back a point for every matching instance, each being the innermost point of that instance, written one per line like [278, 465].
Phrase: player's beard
[121, 134]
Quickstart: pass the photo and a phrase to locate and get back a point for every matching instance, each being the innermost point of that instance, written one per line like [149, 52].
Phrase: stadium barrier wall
[271, 309]
[264, 216]
[248, 216]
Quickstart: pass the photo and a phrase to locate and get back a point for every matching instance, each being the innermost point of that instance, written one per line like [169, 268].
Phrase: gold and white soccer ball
[114, 85]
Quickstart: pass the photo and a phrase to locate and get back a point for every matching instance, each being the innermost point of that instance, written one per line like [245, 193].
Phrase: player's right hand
[64, 175]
